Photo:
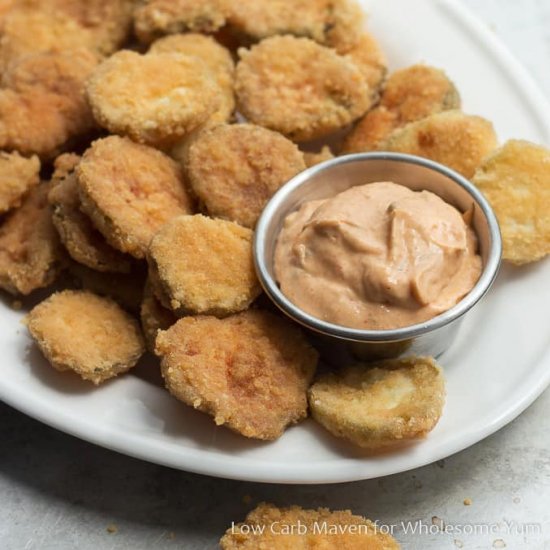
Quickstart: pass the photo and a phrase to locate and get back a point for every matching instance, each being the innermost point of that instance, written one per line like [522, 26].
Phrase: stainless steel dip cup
[339, 344]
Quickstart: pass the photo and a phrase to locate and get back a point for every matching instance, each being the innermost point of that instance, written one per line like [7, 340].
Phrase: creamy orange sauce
[376, 256]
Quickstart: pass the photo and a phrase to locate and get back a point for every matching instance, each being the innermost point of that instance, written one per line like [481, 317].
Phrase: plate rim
[246, 469]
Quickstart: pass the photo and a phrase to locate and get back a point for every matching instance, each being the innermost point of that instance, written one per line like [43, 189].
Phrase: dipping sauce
[377, 256]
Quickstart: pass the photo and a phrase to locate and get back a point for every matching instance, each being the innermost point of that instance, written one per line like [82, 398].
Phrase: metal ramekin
[339, 344]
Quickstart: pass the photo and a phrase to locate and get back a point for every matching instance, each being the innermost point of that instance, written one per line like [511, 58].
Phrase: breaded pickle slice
[380, 405]
[516, 181]
[87, 334]
[199, 265]
[294, 528]
[452, 138]
[249, 371]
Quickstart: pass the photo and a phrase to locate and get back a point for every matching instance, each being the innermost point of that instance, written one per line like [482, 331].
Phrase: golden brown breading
[42, 102]
[371, 61]
[380, 405]
[29, 31]
[153, 98]
[271, 528]
[199, 265]
[235, 169]
[409, 94]
[64, 165]
[154, 317]
[124, 288]
[311, 159]
[30, 251]
[299, 88]
[214, 57]
[84, 243]
[249, 371]
[109, 23]
[335, 23]
[130, 191]
[160, 17]
[452, 138]
[17, 176]
[85, 333]
[516, 181]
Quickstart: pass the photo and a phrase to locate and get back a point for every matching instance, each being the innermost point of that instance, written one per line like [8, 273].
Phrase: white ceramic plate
[498, 366]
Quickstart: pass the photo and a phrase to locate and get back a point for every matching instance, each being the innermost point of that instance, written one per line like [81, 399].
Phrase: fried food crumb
[275, 528]
[198, 265]
[130, 191]
[452, 138]
[160, 17]
[379, 405]
[235, 169]
[311, 159]
[409, 94]
[516, 181]
[112, 529]
[299, 88]
[85, 333]
[252, 376]
[30, 251]
[467, 502]
[154, 98]
[17, 176]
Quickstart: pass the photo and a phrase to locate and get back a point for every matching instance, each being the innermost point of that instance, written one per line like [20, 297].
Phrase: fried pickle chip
[214, 57]
[30, 251]
[84, 243]
[410, 94]
[294, 528]
[380, 405]
[371, 61]
[85, 333]
[154, 317]
[153, 98]
[198, 265]
[130, 191]
[249, 371]
[452, 138]
[160, 17]
[43, 107]
[311, 159]
[17, 176]
[516, 181]
[299, 88]
[235, 169]
[29, 30]
[334, 23]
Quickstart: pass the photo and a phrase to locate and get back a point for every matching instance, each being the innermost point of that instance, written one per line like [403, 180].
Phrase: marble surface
[60, 493]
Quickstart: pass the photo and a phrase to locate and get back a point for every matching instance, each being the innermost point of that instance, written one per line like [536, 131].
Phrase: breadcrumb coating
[153, 98]
[160, 17]
[334, 23]
[516, 181]
[410, 94]
[214, 57]
[17, 176]
[198, 265]
[84, 243]
[87, 334]
[154, 317]
[295, 528]
[43, 107]
[299, 88]
[452, 138]
[249, 371]
[130, 191]
[30, 251]
[235, 169]
[379, 405]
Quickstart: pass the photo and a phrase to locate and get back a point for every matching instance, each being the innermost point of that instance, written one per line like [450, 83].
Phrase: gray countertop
[62, 493]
